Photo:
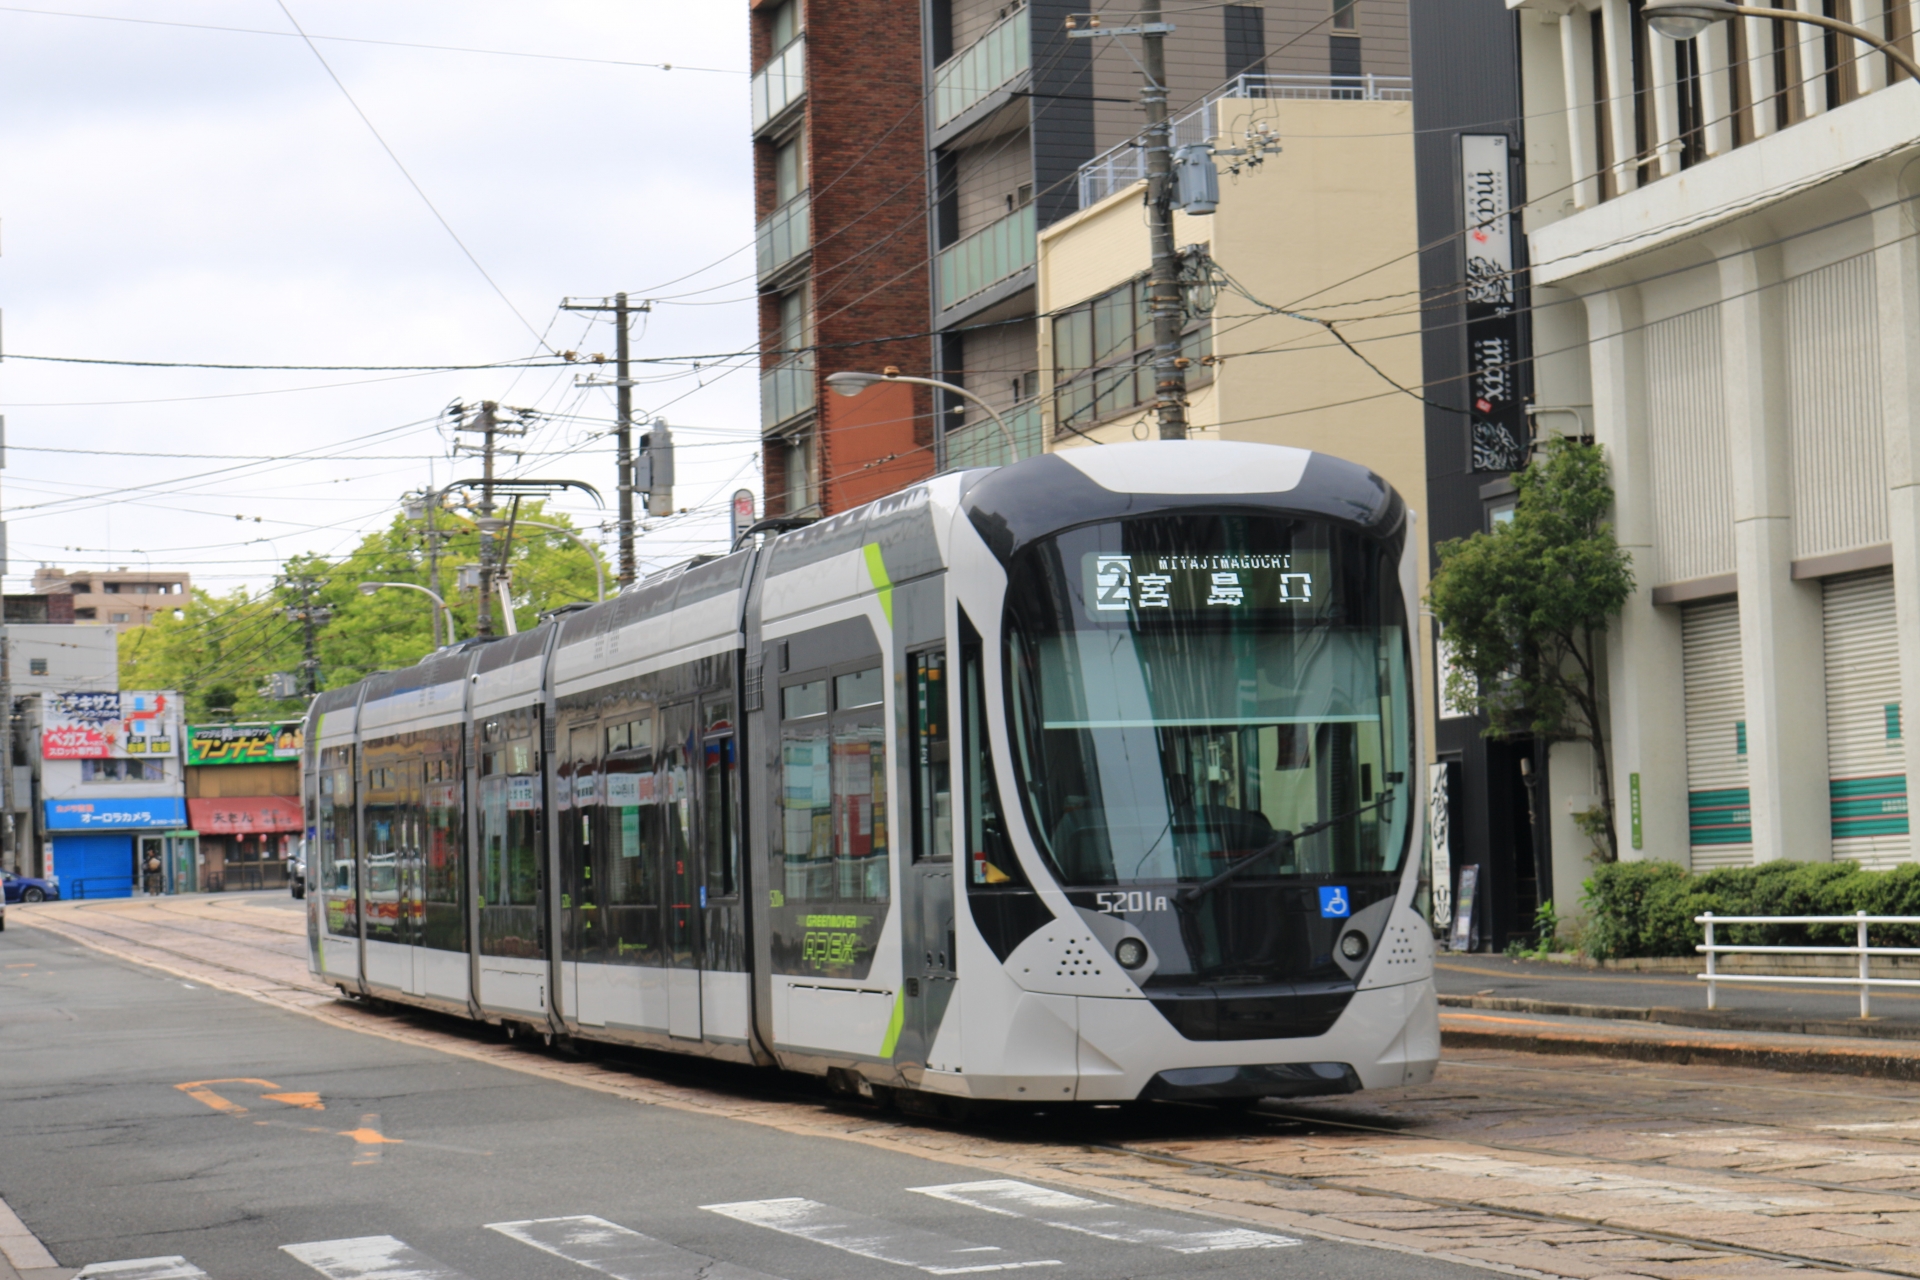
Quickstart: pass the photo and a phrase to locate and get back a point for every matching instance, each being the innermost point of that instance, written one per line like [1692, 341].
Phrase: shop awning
[245, 815]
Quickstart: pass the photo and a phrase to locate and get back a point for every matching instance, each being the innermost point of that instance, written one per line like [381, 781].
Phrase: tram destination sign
[1119, 584]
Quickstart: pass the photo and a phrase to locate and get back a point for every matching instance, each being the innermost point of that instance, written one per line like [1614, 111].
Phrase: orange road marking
[200, 1091]
[371, 1137]
[305, 1101]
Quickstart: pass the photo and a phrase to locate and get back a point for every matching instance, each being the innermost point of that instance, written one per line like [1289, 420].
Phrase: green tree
[221, 651]
[1524, 610]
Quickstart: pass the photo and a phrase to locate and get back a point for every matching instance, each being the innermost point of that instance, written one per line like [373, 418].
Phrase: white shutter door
[1866, 760]
[1719, 819]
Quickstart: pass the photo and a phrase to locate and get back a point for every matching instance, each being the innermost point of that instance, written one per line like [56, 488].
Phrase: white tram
[1089, 778]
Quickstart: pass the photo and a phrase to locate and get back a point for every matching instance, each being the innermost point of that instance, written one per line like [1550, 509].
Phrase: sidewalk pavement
[1489, 1001]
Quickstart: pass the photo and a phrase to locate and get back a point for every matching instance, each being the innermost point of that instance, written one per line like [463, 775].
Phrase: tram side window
[381, 845]
[331, 863]
[932, 780]
[834, 790]
[632, 821]
[720, 779]
[509, 850]
[990, 857]
[444, 910]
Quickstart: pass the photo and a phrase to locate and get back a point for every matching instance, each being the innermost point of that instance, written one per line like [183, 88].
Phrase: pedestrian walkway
[626, 1254]
[1672, 996]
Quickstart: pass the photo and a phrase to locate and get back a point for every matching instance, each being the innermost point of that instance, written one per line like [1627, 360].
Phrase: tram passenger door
[680, 870]
[580, 931]
[413, 861]
[930, 961]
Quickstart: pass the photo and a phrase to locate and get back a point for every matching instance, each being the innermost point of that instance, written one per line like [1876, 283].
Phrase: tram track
[1319, 1182]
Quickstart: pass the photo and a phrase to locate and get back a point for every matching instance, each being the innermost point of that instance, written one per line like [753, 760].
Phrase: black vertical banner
[1497, 421]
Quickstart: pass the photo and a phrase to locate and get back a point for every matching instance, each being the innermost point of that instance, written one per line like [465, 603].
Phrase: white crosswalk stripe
[1126, 1224]
[370, 1258]
[874, 1238]
[614, 1250]
[143, 1269]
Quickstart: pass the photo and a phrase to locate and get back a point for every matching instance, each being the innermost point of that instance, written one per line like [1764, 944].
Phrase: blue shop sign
[116, 814]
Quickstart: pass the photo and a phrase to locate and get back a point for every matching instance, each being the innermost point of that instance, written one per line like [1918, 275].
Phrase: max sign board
[112, 725]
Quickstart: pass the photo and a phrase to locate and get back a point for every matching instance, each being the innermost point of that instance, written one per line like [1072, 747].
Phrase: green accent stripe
[877, 570]
[1720, 817]
[898, 1020]
[1862, 807]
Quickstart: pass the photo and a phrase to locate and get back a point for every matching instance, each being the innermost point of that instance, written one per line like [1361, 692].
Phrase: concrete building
[124, 598]
[47, 658]
[243, 801]
[907, 158]
[111, 787]
[1727, 294]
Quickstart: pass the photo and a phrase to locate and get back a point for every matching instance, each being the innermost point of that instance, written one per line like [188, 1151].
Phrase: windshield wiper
[1282, 840]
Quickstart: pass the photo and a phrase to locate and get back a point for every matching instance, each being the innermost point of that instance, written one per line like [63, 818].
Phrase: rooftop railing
[993, 253]
[782, 235]
[1122, 166]
[970, 76]
[780, 84]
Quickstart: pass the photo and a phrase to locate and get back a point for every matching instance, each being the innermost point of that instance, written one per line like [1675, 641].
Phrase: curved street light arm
[368, 588]
[863, 381]
[1714, 10]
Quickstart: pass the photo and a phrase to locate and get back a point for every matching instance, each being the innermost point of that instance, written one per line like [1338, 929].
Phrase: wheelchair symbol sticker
[1333, 902]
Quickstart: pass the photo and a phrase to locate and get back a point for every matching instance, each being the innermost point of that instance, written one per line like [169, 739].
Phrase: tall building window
[1343, 50]
[793, 322]
[1103, 355]
[1246, 40]
[789, 171]
[1344, 15]
[783, 23]
[799, 472]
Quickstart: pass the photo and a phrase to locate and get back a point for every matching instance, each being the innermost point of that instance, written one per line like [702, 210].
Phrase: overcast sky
[175, 193]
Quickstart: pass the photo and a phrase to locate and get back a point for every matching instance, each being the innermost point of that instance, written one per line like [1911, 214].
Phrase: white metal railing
[781, 83]
[1120, 167]
[970, 76]
[782, 235]
[1864, 980]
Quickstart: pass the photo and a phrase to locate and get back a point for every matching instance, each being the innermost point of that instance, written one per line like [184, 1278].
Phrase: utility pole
[487, 422]
[623, 412]
[1165, 301]
[311, 618]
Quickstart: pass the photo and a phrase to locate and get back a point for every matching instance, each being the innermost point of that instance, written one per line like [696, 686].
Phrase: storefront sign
[110, 726]
[246, 815]
[116, 814]
[1497, 420]
[209, 744]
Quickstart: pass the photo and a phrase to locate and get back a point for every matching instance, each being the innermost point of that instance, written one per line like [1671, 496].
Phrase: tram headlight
[1353, 946]
[1131, 953]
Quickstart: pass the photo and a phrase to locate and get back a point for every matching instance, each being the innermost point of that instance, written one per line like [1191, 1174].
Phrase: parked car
[29, 888]
[297, 871]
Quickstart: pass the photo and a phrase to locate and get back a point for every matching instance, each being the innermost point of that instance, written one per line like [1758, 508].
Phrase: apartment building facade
[1726, 293]
[907, 160]
[122, 598]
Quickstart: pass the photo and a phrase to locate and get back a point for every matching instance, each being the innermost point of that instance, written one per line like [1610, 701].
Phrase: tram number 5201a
[1114, 904]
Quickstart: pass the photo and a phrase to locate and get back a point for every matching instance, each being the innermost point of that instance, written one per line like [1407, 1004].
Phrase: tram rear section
[1089, 778]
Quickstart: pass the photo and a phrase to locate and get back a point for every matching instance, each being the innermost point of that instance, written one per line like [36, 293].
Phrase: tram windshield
[1188, 692]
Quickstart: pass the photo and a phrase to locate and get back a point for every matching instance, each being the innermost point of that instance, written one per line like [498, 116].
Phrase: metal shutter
[1719, 820]
[1866, 759]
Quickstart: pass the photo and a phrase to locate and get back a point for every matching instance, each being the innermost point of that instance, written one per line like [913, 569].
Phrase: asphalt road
[145, 1116]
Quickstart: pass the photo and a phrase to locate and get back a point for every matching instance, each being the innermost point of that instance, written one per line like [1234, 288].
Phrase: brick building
[906, 159]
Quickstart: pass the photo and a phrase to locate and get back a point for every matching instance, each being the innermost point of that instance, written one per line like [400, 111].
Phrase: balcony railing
[1126, 164]
[988, 256]
[786, 391]
[970, 76]
[980, 444]
[782, 235]
[780, 84]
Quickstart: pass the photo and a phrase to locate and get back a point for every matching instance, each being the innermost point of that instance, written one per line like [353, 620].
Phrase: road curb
[1811, 1059]
[1701, 1019]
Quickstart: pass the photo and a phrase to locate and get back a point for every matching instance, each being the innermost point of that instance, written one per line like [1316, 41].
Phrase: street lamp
[1685, 19]
[369, 588]
[852, 384]
[599, 575]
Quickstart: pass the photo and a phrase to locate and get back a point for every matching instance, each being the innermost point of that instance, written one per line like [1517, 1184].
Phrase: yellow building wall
[1324, 229]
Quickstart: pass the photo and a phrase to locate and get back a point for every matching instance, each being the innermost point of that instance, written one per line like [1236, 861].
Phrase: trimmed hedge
[1647, 908]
